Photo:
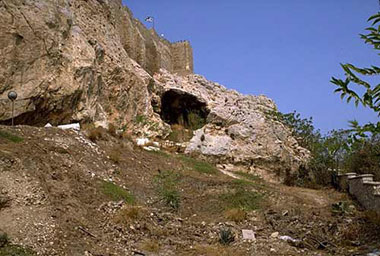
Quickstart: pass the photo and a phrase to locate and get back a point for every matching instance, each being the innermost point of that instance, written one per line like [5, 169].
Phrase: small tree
[371, 97]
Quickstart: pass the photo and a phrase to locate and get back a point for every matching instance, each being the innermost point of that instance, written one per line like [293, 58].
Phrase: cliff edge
[92, 62]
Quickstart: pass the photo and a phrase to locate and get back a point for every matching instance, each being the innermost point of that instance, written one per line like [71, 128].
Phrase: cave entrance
[184, 112]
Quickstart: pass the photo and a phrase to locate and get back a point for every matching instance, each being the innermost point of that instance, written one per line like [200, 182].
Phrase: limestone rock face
[91, 61]
[82, 60]
[239, 128]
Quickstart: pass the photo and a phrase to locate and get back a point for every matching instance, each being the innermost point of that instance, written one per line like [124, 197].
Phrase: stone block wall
[182, 55]
[149, 49]
[363, 188]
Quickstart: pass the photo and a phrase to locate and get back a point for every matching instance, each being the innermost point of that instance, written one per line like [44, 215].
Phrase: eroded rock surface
[91, 61]
[239, 128]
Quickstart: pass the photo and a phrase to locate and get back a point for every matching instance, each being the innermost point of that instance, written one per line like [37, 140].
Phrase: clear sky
[286, 50]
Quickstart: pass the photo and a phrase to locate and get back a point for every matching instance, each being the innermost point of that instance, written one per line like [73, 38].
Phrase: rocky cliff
[91, 61]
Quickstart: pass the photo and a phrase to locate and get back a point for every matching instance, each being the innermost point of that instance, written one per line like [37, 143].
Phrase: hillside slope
[90, 61]
[62, 194]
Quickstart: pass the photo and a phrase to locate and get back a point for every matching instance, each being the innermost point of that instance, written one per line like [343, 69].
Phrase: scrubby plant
[166, 183]
[116, 193]
[115, 155]
[235, 214]
[11, 137]
[226, 236]
[198, 165]
[4, 240]
[242, 198]
[151, 246]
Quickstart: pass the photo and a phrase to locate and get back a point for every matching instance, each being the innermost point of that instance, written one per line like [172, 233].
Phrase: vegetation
[167, 187]
[8, 249]
[235, 214]
[116, 193]
[241, 198]
[10, 137]
[226, 236]
[198, 165]
[151, 246]
[371, 96]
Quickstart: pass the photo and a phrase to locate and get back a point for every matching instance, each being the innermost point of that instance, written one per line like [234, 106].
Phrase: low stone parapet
[363, 188]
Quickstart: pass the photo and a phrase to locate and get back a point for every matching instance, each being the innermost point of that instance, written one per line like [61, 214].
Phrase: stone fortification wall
[182, 58]
[149, 49]
[363, 188]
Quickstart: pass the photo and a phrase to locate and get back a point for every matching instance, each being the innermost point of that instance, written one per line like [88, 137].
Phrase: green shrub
[226, 236]
[166, 183]
[116, 193]
[4, 240]
[365, 158]
[10, 137]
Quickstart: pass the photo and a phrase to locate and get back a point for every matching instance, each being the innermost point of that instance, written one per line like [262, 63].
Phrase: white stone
[73, 126]
[142, 141]
[248, 234]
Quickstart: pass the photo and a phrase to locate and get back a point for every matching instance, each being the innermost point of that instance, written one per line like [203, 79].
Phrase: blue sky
[286, 50]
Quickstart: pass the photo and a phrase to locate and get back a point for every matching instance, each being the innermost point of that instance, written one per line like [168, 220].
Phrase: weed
[15, 250]
[10, 137]
[117, 193]
[160, 153]
[226, 237]
[235, 214]
[4, 240]
[115, 155]
[140, 119]
[249, 176]
[217, 250]
[198, 165]
[7, 249]
[112, 130]
[129, 213]
[151, 246]
[95, 134]
[195, 121]
[166, 183]
[242, 198]
[372, 217]
[180, 134]
[4, 201]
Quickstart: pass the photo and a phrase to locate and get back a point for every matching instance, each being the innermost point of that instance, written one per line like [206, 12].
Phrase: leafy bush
[364, 158]
[166, 184]
[116, 193]
[327, 152]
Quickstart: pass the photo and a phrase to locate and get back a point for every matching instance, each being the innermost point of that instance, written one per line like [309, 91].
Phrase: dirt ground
[63, 194]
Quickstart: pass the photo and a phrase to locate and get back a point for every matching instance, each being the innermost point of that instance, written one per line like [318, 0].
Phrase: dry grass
[151, 246]
[115, 155]
[216, 250]
[95, 134]
[372, 217]
[235, 214]
[129, 213]
[112, 130]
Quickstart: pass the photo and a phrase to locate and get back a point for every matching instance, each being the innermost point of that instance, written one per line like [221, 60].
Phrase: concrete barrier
[363, 188]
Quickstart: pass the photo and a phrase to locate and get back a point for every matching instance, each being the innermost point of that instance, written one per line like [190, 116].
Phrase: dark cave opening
[182, 109]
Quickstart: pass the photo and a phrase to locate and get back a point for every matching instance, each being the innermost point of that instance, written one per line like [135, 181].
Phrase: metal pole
[12, 96]
[13, 111]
